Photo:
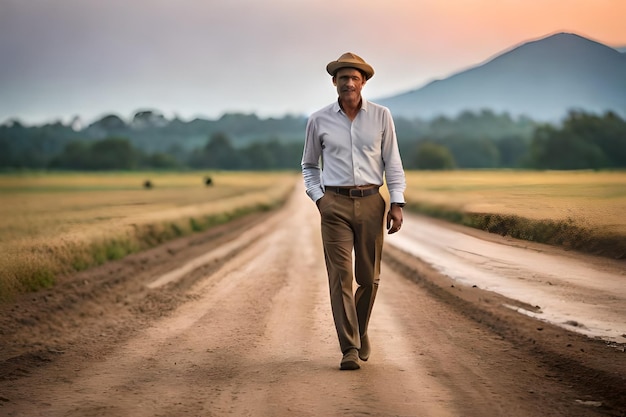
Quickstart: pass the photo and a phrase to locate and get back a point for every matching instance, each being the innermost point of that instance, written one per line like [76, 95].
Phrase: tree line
[243, 142]
[118, 153]
[582, 141]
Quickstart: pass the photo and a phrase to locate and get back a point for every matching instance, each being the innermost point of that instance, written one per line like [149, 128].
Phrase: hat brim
[335, 66]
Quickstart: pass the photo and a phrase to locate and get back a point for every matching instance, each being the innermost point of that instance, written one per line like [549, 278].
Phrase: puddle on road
[570, 293]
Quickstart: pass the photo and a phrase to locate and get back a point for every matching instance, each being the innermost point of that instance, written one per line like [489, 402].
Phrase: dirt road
[237, 322]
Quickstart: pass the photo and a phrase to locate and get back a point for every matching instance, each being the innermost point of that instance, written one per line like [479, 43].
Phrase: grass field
[582, 210]
[52, 224]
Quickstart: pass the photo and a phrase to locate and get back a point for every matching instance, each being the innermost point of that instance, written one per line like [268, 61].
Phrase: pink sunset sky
[201, 58]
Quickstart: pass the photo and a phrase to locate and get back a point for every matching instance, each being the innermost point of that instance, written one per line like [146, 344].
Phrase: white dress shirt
[340, 152]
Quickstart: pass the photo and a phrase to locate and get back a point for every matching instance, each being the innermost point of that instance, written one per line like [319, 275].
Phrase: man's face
[349, 82]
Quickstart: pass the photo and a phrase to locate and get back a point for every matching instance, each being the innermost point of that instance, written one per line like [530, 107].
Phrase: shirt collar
[337, 107]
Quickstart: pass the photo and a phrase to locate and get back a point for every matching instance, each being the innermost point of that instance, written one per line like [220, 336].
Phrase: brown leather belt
[354, 192]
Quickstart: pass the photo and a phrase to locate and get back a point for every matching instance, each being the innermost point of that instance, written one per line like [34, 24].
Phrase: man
[349, 146]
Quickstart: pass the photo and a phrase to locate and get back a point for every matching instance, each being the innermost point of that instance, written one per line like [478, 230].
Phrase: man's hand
[317, 203]
[394, 219]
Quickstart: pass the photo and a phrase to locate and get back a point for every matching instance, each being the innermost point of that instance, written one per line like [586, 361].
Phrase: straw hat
[350, 60]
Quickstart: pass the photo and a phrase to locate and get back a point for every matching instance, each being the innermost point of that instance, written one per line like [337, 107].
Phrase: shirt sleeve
[394, 172]
[311, 155]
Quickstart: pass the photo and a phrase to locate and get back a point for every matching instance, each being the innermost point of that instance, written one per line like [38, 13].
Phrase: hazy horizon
[194, 59]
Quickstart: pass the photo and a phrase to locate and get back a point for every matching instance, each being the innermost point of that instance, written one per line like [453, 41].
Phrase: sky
[203, 58]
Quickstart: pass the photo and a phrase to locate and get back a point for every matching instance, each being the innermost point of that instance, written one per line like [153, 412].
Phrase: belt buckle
[357, 192]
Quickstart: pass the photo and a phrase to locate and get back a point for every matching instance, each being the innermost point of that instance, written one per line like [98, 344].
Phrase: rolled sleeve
[311, 171]
[394, 171]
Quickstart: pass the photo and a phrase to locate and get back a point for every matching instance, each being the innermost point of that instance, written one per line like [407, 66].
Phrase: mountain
[542, 79]
[621, 49]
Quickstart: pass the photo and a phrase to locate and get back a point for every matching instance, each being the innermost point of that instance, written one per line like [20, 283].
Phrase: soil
[236, 321]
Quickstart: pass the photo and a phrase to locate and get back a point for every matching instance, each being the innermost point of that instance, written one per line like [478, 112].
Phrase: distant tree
[13, 123]
[6, 154]
[112, 121]
[584, 141]
[148, 118]
[478, 125]
[218, 153]
[107, 126]
[513, 151]
[114, 153]
[177, 152]
[553, 148]
[33, 147]
[288, 155]
[433, 156]
[273, 154]
[34, 154]
[108, 154]
[472, 153]
[75, 155]
[160, 160]
[608, 133]
[259, 156]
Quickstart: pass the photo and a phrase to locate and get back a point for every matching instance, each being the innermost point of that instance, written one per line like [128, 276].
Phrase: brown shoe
[364, 352]
[350, 360]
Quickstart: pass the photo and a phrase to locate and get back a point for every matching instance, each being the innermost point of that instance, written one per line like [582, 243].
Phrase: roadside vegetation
[580, 210]
[54, 224]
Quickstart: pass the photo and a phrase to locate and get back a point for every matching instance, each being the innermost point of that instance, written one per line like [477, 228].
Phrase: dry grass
[60, 223]
[578, 209]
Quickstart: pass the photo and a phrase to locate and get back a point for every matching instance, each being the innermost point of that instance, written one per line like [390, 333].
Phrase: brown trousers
[352, 224]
